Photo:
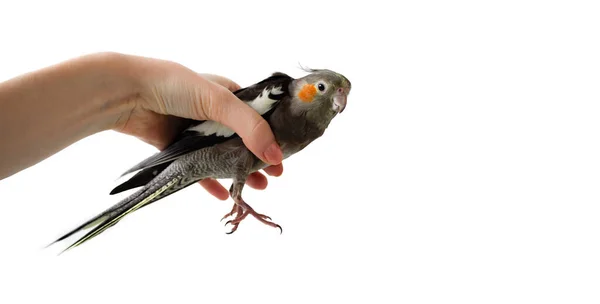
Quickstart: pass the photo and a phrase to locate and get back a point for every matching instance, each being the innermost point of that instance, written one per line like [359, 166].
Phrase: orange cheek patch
[308, 92]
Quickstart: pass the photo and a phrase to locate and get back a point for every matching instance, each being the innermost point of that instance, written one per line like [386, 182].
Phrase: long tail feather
[90, 223]
[116, 216]
[98, 219]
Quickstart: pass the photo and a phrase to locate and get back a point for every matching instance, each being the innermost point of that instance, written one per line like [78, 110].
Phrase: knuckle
[260, 125]
[211, 102]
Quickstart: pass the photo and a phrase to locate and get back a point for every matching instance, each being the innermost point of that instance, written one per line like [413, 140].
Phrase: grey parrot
[298, 112]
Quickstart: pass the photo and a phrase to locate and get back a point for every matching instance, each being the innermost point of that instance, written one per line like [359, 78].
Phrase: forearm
[47, 110]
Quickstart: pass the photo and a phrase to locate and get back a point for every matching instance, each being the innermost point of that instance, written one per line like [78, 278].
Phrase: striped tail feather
[116, 216]
[141, 198]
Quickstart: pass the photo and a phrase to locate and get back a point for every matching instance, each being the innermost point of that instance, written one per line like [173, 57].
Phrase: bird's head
[322, 92]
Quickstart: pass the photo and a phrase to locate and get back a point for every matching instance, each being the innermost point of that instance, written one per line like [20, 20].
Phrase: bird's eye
[321, 87]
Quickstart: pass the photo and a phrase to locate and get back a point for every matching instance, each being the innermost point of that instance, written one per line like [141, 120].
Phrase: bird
[298, 111]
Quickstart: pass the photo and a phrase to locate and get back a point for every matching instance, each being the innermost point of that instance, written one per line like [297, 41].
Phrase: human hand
[172, 93]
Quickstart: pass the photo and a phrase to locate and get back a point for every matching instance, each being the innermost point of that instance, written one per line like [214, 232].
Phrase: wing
[262, 97]
[150, 167]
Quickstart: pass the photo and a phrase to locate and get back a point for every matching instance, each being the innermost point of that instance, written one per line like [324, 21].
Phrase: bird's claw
[243, 210]
[236, 209]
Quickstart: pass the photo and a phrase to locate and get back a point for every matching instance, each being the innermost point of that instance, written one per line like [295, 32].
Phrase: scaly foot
[243, 210]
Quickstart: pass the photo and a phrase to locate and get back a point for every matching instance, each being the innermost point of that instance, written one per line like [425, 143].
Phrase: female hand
[44, 111]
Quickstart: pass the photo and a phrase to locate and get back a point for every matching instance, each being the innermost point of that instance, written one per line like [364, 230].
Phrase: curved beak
[339, 100]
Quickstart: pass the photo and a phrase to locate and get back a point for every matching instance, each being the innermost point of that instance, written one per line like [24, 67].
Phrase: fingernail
[273, 154]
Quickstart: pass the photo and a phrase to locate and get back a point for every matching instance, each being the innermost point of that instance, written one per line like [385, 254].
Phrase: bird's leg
[242, 209]
[236, 208]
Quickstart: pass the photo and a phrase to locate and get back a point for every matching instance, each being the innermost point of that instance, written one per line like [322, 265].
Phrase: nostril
[340, 90]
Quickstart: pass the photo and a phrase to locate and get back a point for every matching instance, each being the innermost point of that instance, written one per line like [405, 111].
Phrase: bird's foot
[242, 210]
[236, 209]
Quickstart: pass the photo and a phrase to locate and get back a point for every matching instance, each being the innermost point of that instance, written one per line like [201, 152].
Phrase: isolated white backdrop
[465, 168]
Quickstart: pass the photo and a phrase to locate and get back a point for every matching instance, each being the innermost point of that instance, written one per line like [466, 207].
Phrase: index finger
[224, 107]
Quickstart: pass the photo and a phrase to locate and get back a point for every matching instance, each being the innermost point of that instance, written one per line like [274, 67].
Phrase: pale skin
[45, 111]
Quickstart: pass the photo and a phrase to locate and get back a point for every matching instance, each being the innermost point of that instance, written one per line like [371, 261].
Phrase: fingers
[212, 99]
[223, 81]
[215, 188]
[275, 170]
[224, 107]
[255, 180]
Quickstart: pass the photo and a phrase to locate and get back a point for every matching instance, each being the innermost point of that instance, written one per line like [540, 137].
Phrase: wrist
[119, 79]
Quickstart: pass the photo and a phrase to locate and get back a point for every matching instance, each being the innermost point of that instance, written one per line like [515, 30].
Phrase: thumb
[223, 106]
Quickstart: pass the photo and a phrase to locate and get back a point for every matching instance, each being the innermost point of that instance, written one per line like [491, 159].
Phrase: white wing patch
[212, 127]
[261, 104]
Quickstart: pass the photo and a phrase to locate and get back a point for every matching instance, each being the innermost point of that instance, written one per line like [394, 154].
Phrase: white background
[465, 168]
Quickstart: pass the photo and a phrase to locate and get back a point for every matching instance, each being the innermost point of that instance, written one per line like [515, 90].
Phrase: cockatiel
[298, 112]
